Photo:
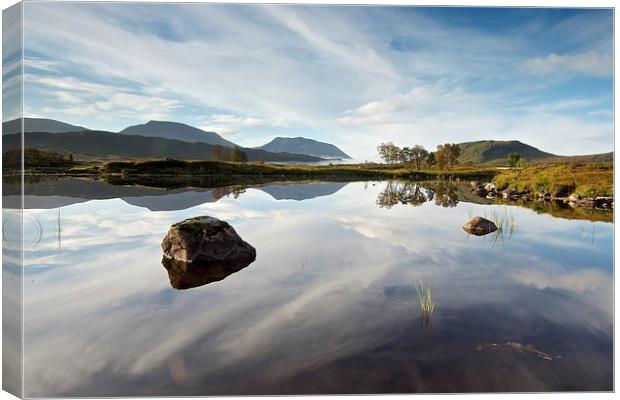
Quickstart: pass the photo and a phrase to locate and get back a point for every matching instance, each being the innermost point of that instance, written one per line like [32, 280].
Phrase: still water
[330, 304]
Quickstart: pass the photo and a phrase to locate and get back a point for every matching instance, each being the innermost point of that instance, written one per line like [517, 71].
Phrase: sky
[354, 76]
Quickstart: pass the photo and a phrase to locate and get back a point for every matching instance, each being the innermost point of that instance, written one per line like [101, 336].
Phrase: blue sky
[352, 76]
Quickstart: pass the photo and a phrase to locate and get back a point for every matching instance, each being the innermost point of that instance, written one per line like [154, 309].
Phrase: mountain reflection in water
[330, 305]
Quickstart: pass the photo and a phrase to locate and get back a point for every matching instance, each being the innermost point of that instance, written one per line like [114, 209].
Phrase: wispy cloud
[81, 98]
[589, 63]
[353, 76]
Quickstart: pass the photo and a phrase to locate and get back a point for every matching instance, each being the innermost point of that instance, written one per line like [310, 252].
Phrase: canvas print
[255, 199]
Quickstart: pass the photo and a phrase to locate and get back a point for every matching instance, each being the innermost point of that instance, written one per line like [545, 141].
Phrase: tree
[217, 152]
[418, 154]
[389, 152]
[521, 163]
[238, 155]
[447, 154]
[513, 159]
[405, 155]
[430, 159]
[454, 151]
[440, 157]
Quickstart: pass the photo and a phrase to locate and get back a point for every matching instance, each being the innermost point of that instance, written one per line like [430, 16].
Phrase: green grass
[502, 222]
[595, 179]
[426, 300]
[353, 171]
[507, 220]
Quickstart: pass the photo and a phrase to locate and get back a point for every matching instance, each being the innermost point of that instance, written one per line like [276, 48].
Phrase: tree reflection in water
[408, 192]
[403, 192]
[446, 194]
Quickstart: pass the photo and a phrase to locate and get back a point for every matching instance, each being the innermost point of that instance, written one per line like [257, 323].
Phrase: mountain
[300, 145]
[102, 144]
[497, 151]
[39, 125]
[176, 131]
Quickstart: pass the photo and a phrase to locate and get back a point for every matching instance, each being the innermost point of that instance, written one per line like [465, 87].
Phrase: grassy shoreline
[594, 179]
[351, 171]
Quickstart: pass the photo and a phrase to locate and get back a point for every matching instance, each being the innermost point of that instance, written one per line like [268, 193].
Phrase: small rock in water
[479, 226]
[205, 239]
[201, 250]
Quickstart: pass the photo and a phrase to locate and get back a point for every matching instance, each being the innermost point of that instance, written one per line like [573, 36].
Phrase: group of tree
[221, 153]
[446, 155]
[515, 160]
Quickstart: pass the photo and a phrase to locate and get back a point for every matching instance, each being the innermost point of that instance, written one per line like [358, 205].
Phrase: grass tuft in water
[426, 300]
[427, 307]
[503, 223]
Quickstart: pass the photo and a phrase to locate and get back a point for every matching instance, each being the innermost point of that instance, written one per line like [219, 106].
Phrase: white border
[481, 3]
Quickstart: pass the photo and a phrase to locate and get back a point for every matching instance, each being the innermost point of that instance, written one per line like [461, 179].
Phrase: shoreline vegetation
[588, 185]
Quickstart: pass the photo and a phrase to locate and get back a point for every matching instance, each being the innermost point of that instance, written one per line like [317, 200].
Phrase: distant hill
[497, 151]
[39, 125]
[300, 145]
[101, 144]
[176, 131]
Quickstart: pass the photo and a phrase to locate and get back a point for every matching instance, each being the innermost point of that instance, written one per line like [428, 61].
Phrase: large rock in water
[479, 226]
[201, 250]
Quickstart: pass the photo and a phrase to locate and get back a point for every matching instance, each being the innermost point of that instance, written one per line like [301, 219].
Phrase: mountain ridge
[100, 144]
[302, 145]
[496, 152]
[176, 131]
[39, 125]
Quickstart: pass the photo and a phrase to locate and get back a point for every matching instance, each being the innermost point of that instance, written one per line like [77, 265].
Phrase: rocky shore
[490, 191]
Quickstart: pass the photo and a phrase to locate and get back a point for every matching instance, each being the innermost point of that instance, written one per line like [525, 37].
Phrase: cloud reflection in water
[314, 314]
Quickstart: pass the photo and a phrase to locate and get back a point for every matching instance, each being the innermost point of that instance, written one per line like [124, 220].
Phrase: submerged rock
[201, 250]
[479, 226]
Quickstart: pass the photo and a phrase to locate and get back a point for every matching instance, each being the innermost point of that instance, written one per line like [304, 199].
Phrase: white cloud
[220, 129]
[348, 49]
[590, 63]
[228, 124]
[67, 97]
[233, 119]
[89, 99]
[332, 73]
[441, 112]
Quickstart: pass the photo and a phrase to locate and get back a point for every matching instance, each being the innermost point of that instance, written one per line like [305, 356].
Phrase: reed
[426, 300]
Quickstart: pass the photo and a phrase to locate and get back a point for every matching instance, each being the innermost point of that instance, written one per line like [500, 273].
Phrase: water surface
[329, 305]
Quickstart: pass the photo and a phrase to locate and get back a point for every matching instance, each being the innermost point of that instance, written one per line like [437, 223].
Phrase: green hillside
[496, 152]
